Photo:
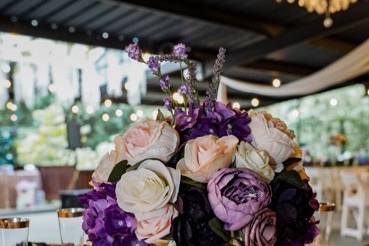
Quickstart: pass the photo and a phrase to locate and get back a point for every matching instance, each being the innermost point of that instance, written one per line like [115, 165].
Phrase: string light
[255, 102]
[75, 109]
[7, 84]
[34, 23]
[11, 106]
[105, 117]
[276, 82]
[146, 56]
[295, 113]
[333, 102]
[154, 114]
[108, 103]
[71, 29]
[139, 113]
[118, 113]
[127, 86]
[367, 92]
[13, 117]
[178, 98]
[236, 105]
[133, 117]
[105, 35]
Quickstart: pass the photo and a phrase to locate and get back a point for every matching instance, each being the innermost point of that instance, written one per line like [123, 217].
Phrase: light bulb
[105, 117]
[75, 109]
[255, 102]
[276, 83]
[108, 103]
[118, 112]
[236, 105]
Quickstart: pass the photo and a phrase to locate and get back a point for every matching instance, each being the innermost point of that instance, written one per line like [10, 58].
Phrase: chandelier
[327, 7]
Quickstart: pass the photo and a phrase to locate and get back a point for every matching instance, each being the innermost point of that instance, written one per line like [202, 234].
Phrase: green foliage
[217, 226]
[118, 170]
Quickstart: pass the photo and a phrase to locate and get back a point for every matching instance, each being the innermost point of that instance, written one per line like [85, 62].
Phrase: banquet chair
[355, 200]
[315, 181]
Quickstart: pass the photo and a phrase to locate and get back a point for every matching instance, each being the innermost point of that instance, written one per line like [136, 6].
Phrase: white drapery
[351, 65]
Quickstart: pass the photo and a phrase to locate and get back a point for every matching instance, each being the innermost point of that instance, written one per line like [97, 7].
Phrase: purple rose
[180, 50]
[236, 195]
[294, 206]
[261, 231]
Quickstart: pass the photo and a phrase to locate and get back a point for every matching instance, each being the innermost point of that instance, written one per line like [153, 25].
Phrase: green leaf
[160, 116]
[135, 166]
[291, 177]
[118, 171]
[191, 182]
[217, 227]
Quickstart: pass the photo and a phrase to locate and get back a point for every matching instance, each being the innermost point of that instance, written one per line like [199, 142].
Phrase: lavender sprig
[217, 70]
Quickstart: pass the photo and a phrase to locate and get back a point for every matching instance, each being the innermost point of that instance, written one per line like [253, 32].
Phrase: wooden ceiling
[264, 39]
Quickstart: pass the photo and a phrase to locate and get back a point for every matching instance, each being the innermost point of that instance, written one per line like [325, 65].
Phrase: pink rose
[105, 167]
[261, 231]
[205, 155]
[155, 224]
[148, 139]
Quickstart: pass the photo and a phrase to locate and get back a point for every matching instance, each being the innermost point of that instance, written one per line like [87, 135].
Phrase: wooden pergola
[264, 39]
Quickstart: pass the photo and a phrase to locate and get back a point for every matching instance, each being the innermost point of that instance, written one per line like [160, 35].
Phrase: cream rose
[148, 139]
[206, 155]
[105, 167]
[155, 224]
[256, 160]
[151, 186]
[269, 138]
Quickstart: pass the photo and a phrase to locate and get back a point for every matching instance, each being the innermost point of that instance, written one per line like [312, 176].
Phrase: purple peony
[221, 120]
[236, 195]
[154, 63]
[134, 51]
[104, 222]
[180, 51]
[261, 231]
[295, 207]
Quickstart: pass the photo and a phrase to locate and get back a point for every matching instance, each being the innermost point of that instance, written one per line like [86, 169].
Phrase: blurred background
[67, 87]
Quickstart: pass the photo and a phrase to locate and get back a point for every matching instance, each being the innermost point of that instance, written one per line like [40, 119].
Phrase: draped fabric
[351, 65]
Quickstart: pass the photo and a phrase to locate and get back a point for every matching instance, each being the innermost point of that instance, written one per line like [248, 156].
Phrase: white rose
[147, 139]
[269, 138]
[151, 186]
[106, 166]
[256, 160]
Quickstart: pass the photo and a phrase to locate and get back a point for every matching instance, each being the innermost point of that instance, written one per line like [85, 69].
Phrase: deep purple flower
[221, 120]
[295, 207]
[154, 63]
[134, 51]
[165, 83]
[191, 227]
[236, 195]
[180, 50]
[104, 222]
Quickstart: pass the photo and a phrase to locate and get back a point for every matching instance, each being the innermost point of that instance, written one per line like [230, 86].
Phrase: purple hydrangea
[134, 51]
[104, 222]
[180, 51]
[220, 120]
[165, 83]
[154, 63]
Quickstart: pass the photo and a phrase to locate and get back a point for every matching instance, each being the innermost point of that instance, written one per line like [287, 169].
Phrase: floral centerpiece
[209, 175]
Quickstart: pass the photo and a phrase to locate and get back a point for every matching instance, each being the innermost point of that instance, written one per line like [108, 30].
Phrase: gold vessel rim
[326, 206]
[70, 212]
[14, 223]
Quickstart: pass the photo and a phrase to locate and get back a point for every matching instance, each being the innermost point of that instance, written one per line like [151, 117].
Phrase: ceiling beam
[281, 67]
[205, 13]
[357, 14]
